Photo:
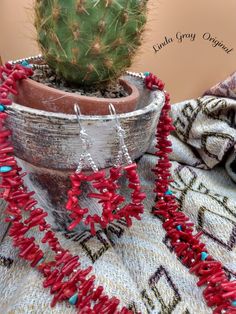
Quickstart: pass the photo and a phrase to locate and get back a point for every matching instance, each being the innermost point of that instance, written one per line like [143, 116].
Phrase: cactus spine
[89, 41]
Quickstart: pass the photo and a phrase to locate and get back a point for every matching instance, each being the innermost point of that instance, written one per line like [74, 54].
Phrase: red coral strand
[219, 292]
[63, 274]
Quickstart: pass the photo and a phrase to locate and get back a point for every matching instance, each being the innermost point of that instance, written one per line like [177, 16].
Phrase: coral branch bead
[107, 196]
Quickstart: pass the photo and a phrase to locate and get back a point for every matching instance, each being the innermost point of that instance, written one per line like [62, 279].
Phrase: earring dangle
[107, 194]
[135, 207]
[77, 212]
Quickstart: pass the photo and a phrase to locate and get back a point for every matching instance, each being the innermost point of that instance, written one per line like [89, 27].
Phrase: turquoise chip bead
[2, 108]
[41, 261]
[5, 169]
[168, 192]
[26, 64]
[233, 303]
[179, 228]
[146, 73]
[204, 256]
[73, 299]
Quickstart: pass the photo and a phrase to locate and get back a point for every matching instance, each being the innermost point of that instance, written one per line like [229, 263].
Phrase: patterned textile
[137, 264]
[226, 88]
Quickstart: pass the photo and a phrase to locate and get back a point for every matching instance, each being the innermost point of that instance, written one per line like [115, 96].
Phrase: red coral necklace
[63, 275]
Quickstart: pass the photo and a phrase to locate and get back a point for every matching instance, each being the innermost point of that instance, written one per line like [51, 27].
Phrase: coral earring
[110, 200]
[104, 189]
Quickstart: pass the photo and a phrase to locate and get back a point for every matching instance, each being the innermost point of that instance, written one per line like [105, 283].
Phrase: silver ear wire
[123, 151]
[86, 144]
[78, 114]
[86, 141]
[113, 113]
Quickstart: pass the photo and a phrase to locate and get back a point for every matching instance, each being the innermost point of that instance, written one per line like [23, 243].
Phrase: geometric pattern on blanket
[208, 125]
[187, 182]
[5, 261]
[227, 88]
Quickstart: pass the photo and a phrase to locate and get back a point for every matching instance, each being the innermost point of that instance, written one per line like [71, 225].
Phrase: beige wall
[188, 68]
[17, 38]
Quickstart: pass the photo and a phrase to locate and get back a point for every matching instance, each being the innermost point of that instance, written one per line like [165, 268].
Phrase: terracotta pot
[48, 144]
[39, 96]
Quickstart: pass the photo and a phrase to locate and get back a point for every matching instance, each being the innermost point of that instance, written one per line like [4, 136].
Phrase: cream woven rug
[137, 264]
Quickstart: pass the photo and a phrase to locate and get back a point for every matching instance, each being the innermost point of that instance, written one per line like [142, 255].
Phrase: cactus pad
[89, 41]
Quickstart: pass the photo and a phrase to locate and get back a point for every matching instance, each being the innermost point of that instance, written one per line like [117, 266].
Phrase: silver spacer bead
[135, 74]
[75, 269]
[40, 66]
[31, 58]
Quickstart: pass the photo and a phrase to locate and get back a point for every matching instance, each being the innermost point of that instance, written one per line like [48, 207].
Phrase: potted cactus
[87, 43]
[46, 132]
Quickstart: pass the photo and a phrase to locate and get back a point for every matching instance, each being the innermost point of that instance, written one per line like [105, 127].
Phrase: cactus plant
[89, 41]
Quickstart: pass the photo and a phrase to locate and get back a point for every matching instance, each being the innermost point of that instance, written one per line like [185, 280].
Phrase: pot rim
[130, 88]
[15, 107]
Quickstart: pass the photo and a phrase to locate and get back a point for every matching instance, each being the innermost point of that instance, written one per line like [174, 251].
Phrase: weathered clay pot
[48, 144]
[39, 96]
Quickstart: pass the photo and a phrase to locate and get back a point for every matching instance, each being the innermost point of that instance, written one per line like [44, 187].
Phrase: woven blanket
[137, 265]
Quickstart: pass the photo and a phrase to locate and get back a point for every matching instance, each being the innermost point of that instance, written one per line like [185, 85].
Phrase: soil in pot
[51, 79]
